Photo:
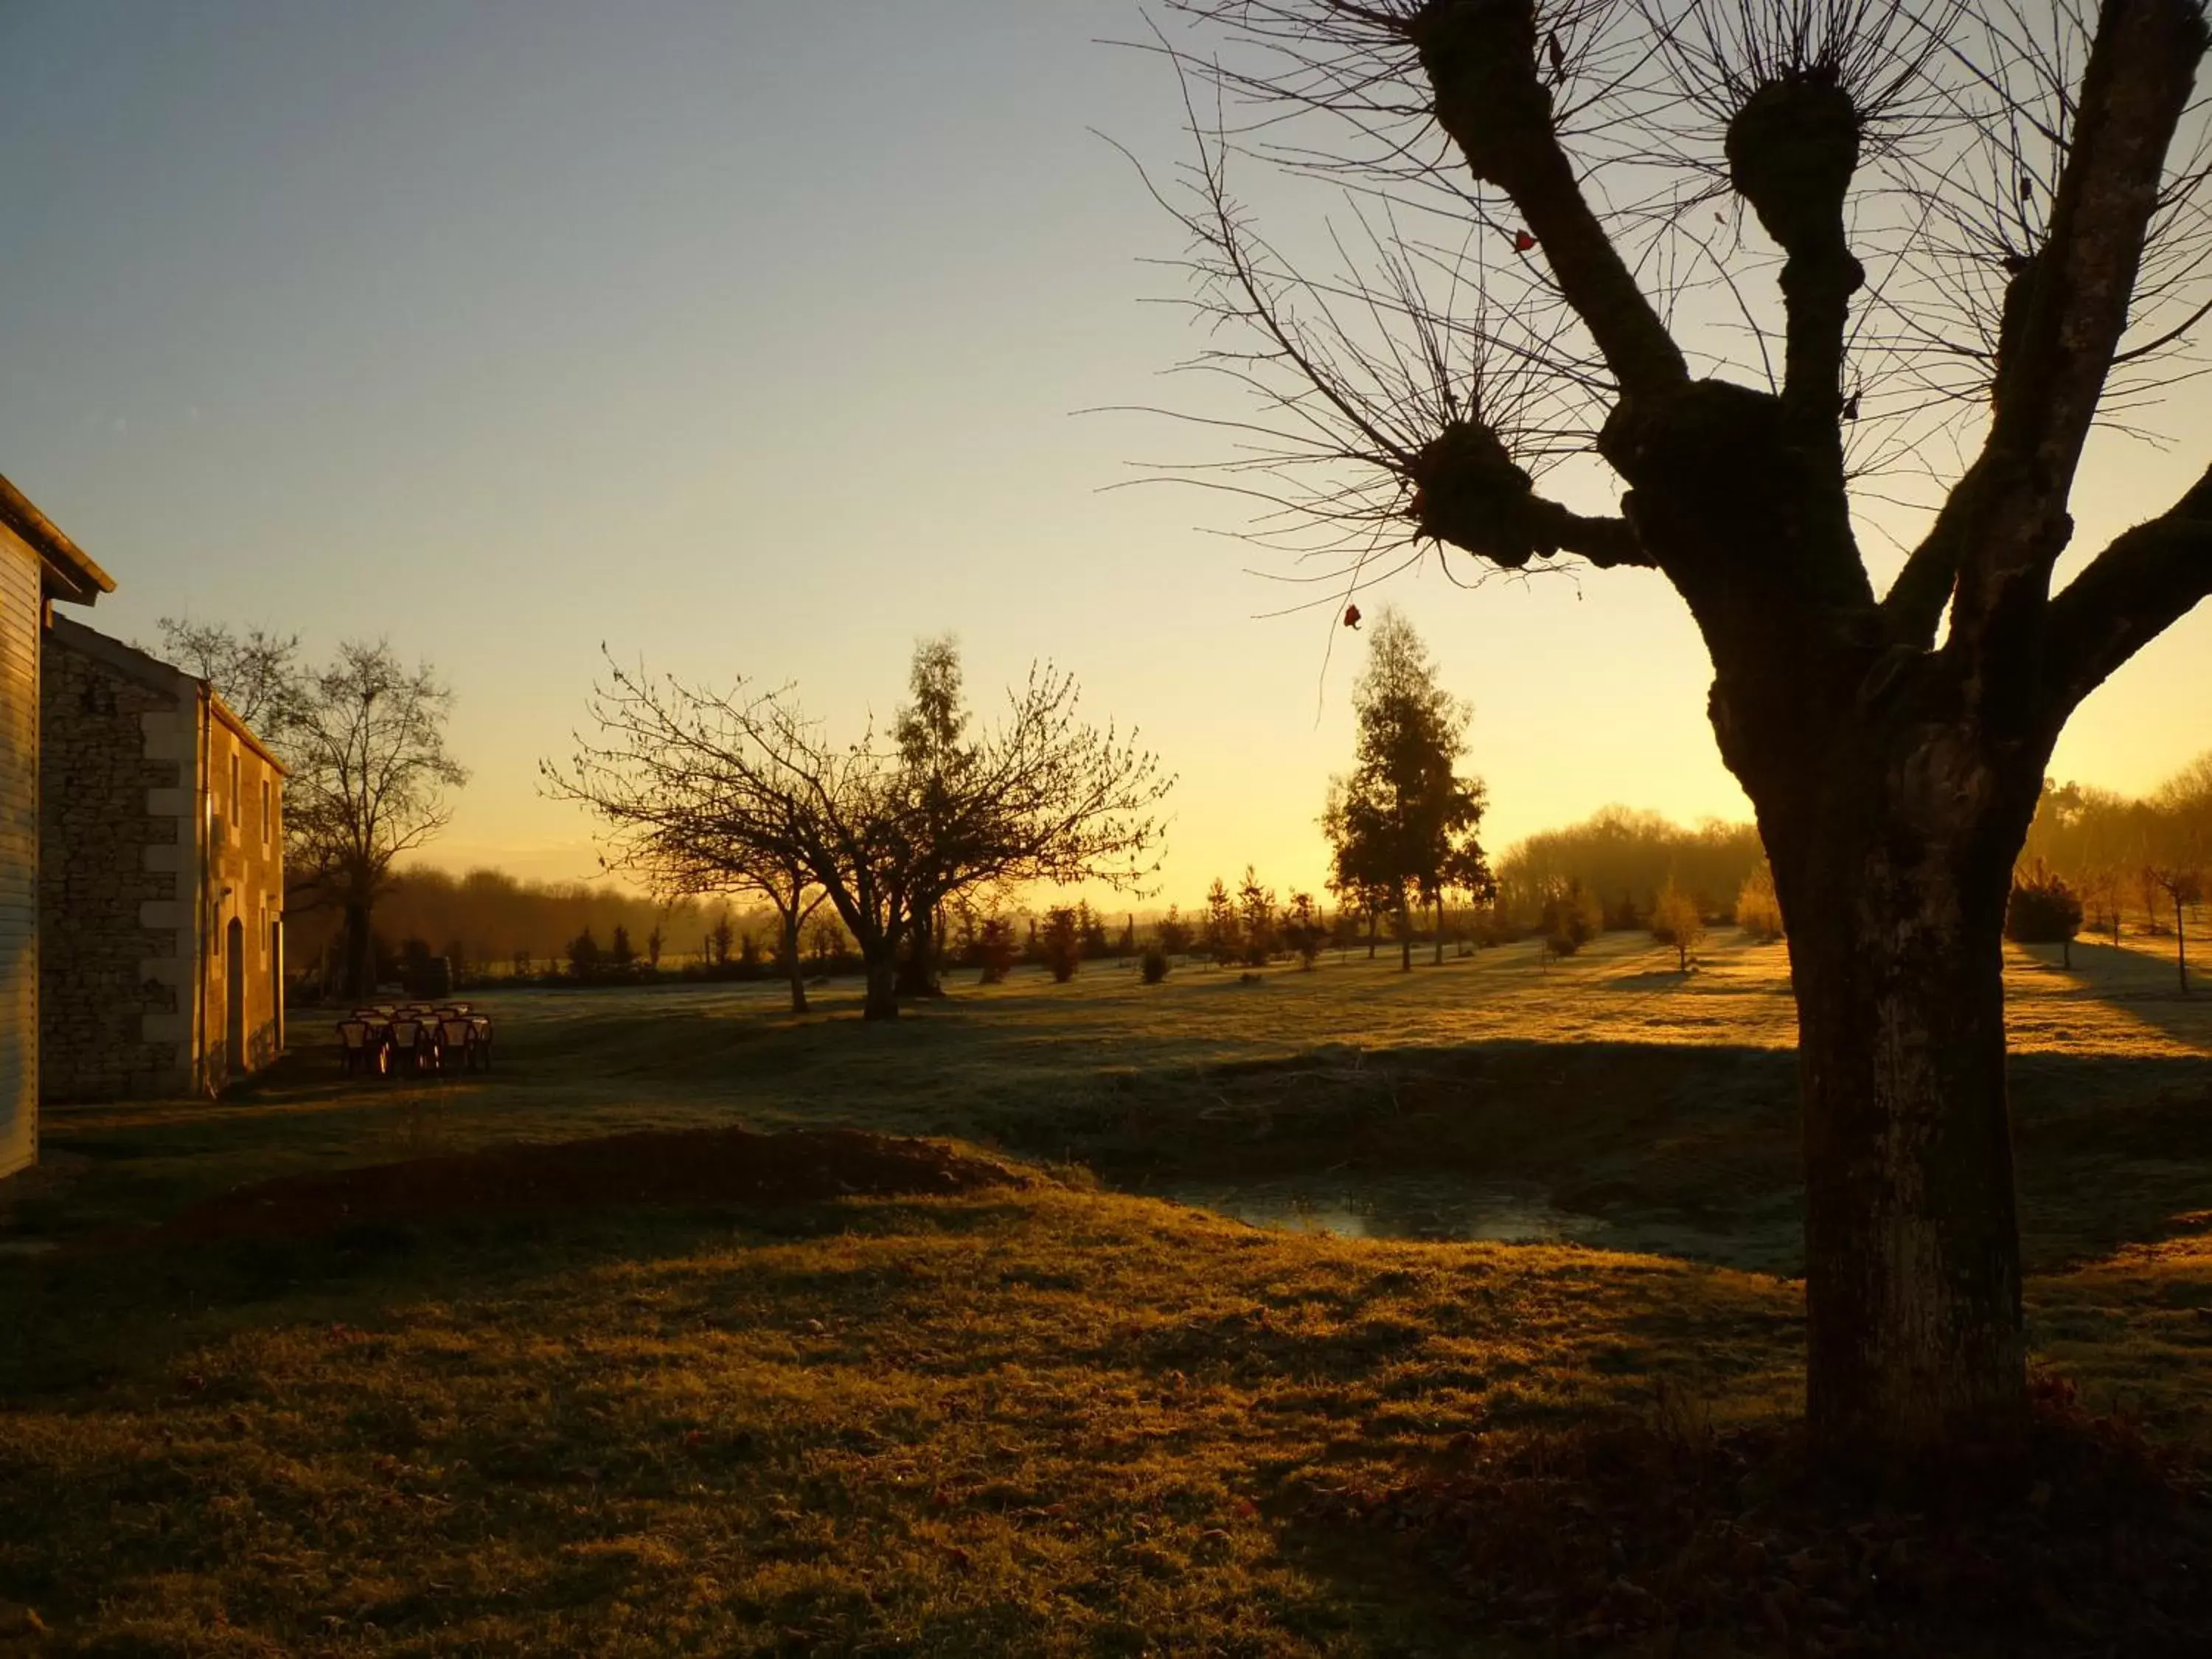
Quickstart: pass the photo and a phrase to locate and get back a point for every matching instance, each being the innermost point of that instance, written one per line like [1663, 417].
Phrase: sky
[753, 338]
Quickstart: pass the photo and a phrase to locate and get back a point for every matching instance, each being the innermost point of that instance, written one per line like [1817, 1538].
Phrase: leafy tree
[1757, 912]
[1218, 933]
[1172, 933]
[719, 940]
[1255, 916]
[1090, 929]
[1676, 919]
[1402, 823]
[1572, 918]
[994, 949]
[2043, 911]
[1303, 930]
[654, 941]
[2031, 251]
[1062, 940]
[621, 955]
[584, 955]
[937, 761]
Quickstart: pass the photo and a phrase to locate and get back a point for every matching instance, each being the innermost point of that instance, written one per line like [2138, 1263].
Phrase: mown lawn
[1039, 1418]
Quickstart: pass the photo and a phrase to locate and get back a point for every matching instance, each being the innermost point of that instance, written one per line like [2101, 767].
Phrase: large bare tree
[364, 737]
[1767, 260]
[363, 740]
[699, 788]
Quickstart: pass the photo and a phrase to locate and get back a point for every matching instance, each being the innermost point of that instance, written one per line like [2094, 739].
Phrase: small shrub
[1155, 965]
[1302, 930]
[1061, 942]
[995, 950]
[2043, 911]
[1571, 919]
[1757, 912]
[1677, 920]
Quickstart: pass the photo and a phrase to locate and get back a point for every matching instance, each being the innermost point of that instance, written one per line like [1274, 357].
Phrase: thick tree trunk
[1374, 926]
[883, 983]
[2180, 945]
[917, 975]
[1405, 938]
[1437, 909]
[1912, 1275]
[361, 953]
[793, 969]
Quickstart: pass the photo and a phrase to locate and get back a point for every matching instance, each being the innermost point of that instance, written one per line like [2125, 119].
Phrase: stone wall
[108, 1025]
[246, 879]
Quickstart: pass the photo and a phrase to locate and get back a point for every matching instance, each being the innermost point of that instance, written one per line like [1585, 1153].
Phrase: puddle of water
[1348, 1207]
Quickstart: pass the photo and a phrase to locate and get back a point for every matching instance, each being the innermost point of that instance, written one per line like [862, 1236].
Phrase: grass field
[1045, 1417]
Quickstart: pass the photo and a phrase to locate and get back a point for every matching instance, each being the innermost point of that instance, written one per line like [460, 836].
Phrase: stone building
[37, 565]
[161, 881]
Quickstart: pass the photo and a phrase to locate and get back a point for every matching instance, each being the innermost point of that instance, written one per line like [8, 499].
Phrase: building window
[264, 812]
[234, 815]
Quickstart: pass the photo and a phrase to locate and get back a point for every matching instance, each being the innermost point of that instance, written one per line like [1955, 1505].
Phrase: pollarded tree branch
[2147, 579]
[2066, 319]
[1470, 493]
[1480, 57]
[1793, 149]
[1914, 605]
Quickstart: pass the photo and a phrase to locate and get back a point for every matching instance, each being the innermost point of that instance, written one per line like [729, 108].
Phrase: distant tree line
[2100, 861]
[1624, 860]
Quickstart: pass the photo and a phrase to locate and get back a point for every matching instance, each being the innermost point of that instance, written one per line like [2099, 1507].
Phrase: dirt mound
[1630, 1539]
[682, 1166]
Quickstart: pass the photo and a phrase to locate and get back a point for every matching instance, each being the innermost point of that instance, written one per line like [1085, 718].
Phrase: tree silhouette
[702, 791]
[2180, 887]
[364, 739]
[1967, 224]
[1402, 823]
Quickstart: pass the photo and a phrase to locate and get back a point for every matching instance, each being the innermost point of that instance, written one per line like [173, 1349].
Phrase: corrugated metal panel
[19, 852]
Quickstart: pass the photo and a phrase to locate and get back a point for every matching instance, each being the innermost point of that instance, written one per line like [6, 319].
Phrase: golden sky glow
[751, 341]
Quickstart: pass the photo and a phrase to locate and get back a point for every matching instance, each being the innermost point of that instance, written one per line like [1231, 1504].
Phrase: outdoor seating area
[407, 1040]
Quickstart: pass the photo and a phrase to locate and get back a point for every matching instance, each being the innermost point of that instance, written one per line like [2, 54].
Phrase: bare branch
[2144, 582]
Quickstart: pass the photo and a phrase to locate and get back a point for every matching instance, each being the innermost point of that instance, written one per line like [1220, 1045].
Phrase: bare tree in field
[701, 790]
[365, 740]
[2180, 887]
[1767, 261]
[1042, 798]
[705, 791]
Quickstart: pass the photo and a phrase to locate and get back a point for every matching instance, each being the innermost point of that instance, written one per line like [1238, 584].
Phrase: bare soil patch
[679, 1166]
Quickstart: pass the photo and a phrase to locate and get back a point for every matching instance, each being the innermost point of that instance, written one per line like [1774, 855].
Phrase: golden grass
[1048, 1421]
[1053, 1420]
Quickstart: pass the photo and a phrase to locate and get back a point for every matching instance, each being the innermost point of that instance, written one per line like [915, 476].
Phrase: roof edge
[245, 733]
[76, 577]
